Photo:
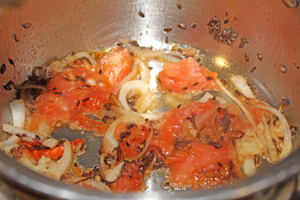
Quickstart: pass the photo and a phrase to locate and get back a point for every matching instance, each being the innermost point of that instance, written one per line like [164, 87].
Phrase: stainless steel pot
[58, 27]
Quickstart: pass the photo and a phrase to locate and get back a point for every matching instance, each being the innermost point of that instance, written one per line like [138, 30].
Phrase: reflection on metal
[291, 3]
[220, 62]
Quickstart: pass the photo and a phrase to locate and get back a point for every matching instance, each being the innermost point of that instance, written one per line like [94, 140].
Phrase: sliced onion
[18, 112]
[175, 101]
[144, 149]
[19, 131]
[29, 86]
[138, 85]
[56, 67]
[97, 185]
[11, 140]
[125, 80]
[221, 100]
[241, 84]
[48, 168]
[7, 149]
[144, 71]
[270, 143]
[113, 174]
[249, 167]
[167, 55]
[238, 102]
[50, 142]
[287, 145]
[152, 116]
[143, 102]
[205, 98]
[66, 160]
[82, 55]
[109, 141]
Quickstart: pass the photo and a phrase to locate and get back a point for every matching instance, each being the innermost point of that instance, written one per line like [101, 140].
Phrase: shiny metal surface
[59, 27]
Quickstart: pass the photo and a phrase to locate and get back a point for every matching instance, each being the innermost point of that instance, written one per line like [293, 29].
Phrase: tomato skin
[53, 153]
[171, 129]
[131, 179]
[186, 76]
[115, 66]
[187, 165]
[135, 139]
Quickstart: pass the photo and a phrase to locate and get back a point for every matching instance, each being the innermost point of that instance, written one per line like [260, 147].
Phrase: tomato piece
[115, 66]
[67, 94]
[186, 166]
[131, 179]
[171, 127]
[82, 122]
[186, 76]
[53, 153]
[132, 138]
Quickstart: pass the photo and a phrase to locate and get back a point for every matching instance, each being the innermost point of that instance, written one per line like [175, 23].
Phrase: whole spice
[247, 57]
[141, 14]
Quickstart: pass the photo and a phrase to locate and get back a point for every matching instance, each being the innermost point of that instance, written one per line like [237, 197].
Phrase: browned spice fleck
[141, 14]
[168, 29]
[166, 39]
[247, 57]
[179, 5]
[283, 68]
[253, 69]
[26, 25]
[226, 21]
[16, 37]
[182, 26]
[227, 36]
[293, 130]
[260, 56]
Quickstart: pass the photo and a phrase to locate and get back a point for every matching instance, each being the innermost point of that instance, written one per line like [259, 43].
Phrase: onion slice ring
[18, 112]
[77, 56]
[19, 131]
[241, 84]
[287, 145]
[249, 167]
[109, 141]
[138, 85]
[238, 102]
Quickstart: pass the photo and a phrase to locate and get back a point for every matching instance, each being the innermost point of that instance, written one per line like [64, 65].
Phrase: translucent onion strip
[269, 141]
[113, 174]
[18, 112]
[11, 140]
[249, 167]
[109, 141]
[125, 80]
[144, 71]
[29, 86]
[138, 85]
[97, 185]
[152, 116]
[241, 84]
[82, 55]
[66, 160]
[19, 131]
[205, 98]
[172, 56]
[238, 102]
[287, 145]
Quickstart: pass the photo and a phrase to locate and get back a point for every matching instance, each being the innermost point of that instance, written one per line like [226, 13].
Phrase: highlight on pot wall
[109, 99]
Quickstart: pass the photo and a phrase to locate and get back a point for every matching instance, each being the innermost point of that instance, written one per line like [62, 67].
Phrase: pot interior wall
[59, 27]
